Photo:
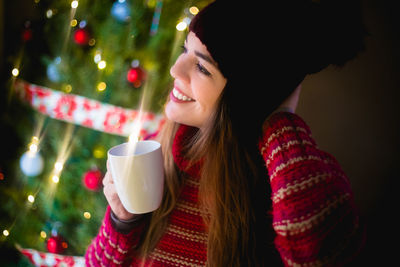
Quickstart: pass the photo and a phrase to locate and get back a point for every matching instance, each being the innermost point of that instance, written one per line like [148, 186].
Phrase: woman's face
[197, 86]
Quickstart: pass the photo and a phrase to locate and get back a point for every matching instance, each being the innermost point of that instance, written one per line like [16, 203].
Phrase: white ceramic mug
[138, 175]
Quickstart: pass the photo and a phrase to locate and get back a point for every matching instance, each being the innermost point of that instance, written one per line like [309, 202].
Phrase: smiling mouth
[178, 95]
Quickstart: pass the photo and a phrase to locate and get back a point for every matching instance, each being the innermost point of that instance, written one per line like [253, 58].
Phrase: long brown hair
[233, 193]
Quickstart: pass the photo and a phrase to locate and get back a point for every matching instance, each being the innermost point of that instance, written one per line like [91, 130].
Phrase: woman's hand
[290, 103]
[112, 197]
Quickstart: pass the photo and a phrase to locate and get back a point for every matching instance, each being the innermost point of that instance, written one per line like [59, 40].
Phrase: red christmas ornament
[135, 76]
[81, 37]
[26, 35]
[56, 244]
[92, 179]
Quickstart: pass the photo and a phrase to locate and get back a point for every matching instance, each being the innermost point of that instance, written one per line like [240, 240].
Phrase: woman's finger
[110, 192]
[107, 179]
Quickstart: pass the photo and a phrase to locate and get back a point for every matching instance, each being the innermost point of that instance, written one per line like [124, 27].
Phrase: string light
[34, 145]
[97, 57]
[15, 72]
[101, 86]
[87, 215]
[49, 13]
[31, 198]
[64, 245]
[33, 148]
[55, 179]
[102, 64]
[6, 233]
[82, 24]
[92, 42]
[181, 26]
[99, 152]
[58, 166]
[67, 88]
[74, 4]
[63, 154]
[43, 234]
[193, 10]
[74, 22]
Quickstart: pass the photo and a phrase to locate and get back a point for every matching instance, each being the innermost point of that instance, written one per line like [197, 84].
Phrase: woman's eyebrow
[206, 58]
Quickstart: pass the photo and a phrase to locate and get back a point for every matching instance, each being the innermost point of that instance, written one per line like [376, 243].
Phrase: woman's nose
[179, 70]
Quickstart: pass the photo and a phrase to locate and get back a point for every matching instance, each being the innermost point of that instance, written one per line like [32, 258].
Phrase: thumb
[291, 102]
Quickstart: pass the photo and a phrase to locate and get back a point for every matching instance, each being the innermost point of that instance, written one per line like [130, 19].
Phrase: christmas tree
[77, 76]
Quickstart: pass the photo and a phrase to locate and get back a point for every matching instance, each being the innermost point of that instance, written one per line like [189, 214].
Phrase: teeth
[175, 93]
[180, 96]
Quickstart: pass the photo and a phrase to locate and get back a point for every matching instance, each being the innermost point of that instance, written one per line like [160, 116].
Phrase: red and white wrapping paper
[87, 112]
[45, 259]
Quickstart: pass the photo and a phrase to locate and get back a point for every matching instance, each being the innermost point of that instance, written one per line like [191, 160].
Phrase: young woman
[246, 184]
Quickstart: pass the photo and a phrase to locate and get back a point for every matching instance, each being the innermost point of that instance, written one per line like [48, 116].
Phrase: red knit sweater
[314, 216]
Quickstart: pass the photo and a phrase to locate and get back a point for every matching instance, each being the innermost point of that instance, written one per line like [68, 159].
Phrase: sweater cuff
[282, 118]
[281, 121]
[115, 243]
[125, 226]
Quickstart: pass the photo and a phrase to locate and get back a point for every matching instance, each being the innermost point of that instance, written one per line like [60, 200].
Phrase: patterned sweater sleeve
[112, 248]
[314, 215]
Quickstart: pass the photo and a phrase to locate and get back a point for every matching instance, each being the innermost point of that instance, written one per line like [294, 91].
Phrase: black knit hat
[266, 48]
[323, 32]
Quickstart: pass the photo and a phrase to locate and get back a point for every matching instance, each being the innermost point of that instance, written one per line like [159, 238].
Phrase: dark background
[353, 113]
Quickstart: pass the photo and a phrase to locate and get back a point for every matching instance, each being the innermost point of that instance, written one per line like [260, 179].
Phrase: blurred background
[108, 52]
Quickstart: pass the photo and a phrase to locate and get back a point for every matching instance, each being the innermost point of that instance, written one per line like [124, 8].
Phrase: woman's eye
[202, 69]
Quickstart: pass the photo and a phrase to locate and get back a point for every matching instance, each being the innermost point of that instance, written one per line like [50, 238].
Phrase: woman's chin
[172, 112]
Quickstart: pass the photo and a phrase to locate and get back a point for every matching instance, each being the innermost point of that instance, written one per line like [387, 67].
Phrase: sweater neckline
[183, 134]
